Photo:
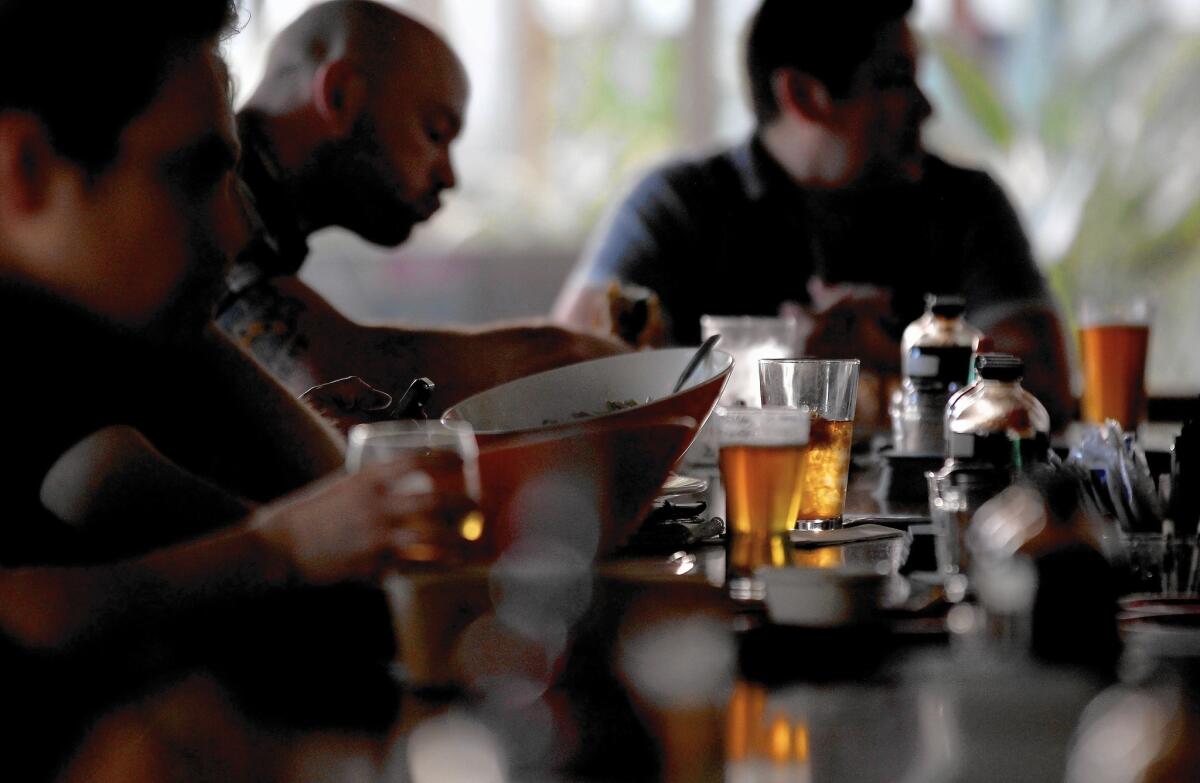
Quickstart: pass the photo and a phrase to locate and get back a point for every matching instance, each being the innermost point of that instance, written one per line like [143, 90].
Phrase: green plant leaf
[982, 102]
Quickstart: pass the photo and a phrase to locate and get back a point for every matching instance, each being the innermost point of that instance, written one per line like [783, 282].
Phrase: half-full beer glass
[761, 456]
[826, 390]
[438, 475]
[1114, 339]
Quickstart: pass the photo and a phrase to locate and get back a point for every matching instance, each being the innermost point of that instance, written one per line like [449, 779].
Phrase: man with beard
[352, 126]
[831, 209]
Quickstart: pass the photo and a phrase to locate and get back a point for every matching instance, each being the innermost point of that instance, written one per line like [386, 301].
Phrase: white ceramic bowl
[557, 397]
[592, 478]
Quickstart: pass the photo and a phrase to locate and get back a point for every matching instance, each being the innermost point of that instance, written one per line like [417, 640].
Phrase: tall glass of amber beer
[1114, 339]
[827, 390]
[762, 459]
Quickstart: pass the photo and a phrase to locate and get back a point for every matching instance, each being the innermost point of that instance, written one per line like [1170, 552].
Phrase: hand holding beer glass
[1114, 338]
[761, 453]
[438, 472]
[826, 390]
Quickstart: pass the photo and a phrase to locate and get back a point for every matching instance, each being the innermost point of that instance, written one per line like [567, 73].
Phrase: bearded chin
[392, 229]
[390, 234]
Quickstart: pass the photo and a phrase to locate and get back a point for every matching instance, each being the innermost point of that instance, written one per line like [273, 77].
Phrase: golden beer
[824, 470]
[758, 731]
[762, 498]
[1114, 365]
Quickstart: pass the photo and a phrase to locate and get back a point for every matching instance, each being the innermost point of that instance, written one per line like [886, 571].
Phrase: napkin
[844, 535]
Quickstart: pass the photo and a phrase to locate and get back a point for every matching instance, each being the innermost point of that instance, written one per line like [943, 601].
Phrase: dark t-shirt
[68, 376]
[732, 235]
[71, 375]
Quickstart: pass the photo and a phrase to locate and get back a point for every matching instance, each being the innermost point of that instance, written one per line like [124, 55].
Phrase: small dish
[821, 597]
[677, 485]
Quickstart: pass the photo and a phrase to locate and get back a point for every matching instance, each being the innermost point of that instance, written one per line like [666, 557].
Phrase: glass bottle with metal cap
[938, 345]
[996, 423]
[994, 429]
[936, 352]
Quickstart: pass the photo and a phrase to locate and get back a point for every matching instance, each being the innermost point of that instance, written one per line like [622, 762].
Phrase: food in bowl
[609, 407]
[602, 388]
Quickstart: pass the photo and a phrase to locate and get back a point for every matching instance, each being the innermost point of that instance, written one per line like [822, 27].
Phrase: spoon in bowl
[703, 351]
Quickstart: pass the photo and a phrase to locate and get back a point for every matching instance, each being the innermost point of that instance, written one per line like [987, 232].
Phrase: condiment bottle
[996, 423]
[936, 352]
[936, 348]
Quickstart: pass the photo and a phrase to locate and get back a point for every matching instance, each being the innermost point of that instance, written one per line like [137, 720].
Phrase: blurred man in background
[832, 209]
[352, 126]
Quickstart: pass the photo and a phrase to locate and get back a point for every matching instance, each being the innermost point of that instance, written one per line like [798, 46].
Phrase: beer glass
[827, 390]
[761, 456]
[1114, 338]
[438, 469]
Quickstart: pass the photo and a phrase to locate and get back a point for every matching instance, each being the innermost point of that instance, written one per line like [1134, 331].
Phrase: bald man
[351, 126]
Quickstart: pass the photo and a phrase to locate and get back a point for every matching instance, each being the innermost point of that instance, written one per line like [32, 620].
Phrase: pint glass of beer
[1114, 339]
[826, 390]
[761, 457]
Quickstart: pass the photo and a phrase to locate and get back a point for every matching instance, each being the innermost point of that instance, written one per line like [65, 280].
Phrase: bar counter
[640, 669]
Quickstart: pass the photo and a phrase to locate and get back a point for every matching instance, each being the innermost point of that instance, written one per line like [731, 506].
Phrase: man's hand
[635, 315]
[632, 313]
[847, 323]
[388, 515]
[348, 401]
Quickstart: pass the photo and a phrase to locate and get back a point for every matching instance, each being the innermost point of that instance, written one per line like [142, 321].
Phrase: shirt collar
[761, 175]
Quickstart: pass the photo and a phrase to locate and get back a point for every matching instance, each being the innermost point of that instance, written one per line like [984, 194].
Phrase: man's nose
[231, 218]
[445, 174]
[922, 109]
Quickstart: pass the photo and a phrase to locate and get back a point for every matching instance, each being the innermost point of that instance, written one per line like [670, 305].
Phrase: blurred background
[1084, 110]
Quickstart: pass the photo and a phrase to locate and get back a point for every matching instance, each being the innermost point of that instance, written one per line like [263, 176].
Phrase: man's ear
[798, 93]
[339, 95]
[26, 163]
